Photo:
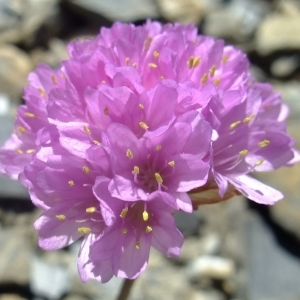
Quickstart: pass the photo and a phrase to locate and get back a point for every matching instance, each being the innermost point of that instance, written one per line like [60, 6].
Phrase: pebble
[214, 267]
[285, 66]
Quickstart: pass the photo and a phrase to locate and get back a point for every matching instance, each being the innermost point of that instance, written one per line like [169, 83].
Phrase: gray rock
[236, 21]
[273, 273]
[187, 11]
[207, 295]
[18, 23]
[285, 66]
[280, 30]
[15, 65]
[119, 10]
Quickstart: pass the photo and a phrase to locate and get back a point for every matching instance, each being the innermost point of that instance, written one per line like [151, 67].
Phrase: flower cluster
[141, 122]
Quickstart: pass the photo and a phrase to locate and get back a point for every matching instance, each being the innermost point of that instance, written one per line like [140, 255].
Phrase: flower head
[139, 121]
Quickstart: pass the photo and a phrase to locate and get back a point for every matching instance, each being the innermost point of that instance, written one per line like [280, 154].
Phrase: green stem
[125, 291]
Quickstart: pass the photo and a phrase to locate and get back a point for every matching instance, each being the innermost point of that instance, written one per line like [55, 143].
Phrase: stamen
[60, 217]
[29, 115]
[148, 229]
[54, 80]
[134, 64]
[145, 216]
[30, 151]
[86, 170]
[42, 92]
[84, 230]
[137, 245]
[96, 142]
[156, 54]
[259, 162]
[204, 78]
[19, 151]
[190, 62]
[144, 125]
[217, 81]
[136, 170]
[171, 163]
[87, 130]
[152, 65]
[91, 210]
[71, 183]
[127, 61]
[243, 152]
[162, 78]
[158, 178]
[248, 119]
[264, 143]
[225, 59]
[196, 61]
[158, 148]
[22, 129]
[106, 111]
[129, 154]
[212, 71]
[103, 81]
[147, 42]
[63, 77]
[124, 230]
[234, 125]
[141, 106]
[124, 212]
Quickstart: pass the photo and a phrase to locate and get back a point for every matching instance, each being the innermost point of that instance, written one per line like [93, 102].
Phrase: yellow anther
[196, 62]
[134, 64]
[84, 230]
[204, 78]
[152, 65]
[86, 170]
[124, 212]
[147, 42]
[264, 143]
[248, 119]
[144, 125]
[19, 151]
[22, 129]
[148, 229]
[137, 245]
[124, 230]
[29, 115]
[136, 170]
[162, 78]
[127, 61]
[30, 151]
[60, 217]
[103, 81]
[156, 54]
[141, 106]
[86, 129]
[145, 216]
[217, 81]
[243, 152]
[158, 178]
[259, 162]
[63, 77]
[42, 92]
[54, 79]
[129, 154]
[105, 111]
[234, 125]
[225, 59]
[171, 163]
[91, 210]
[158, 148]
[71, 183]
[190, 62]
[96, 142]
[212, 71]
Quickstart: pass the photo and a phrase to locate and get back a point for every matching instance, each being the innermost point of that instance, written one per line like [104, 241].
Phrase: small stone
[118, 10]
[207, 295]
[11, 297]
[213, 267]
[285, 66]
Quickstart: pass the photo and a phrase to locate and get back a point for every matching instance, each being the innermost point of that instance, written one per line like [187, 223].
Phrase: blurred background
[235, 250]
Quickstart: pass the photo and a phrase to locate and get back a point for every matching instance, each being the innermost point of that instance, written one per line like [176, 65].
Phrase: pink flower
[133, 126]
